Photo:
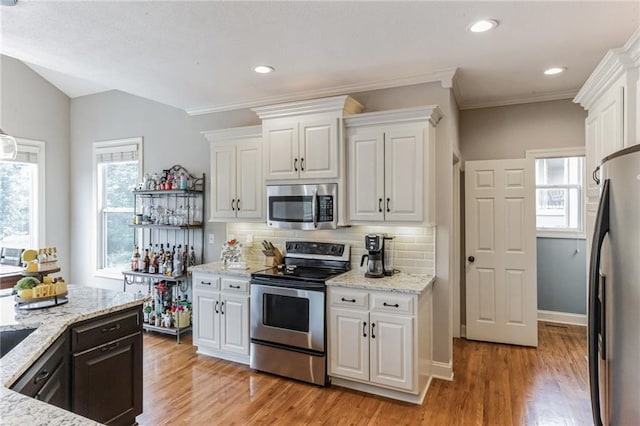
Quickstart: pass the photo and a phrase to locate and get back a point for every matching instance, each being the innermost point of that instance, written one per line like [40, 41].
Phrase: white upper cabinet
[303, 140]
[237, 186]
[391, 165]
[611, 96]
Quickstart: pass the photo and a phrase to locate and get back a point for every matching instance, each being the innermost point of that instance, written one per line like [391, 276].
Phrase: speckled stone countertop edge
[221, 268]
[17, 409]
[20, 358]
[398, 283]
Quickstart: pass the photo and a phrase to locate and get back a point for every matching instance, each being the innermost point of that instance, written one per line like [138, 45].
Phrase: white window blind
[116, 153]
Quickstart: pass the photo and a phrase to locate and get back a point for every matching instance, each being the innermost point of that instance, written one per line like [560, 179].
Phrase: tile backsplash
[414, 247]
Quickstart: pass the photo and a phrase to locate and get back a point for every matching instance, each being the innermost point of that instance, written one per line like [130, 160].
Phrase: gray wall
[173, 137]
[32, 108]
[507, 132]
[562, 275]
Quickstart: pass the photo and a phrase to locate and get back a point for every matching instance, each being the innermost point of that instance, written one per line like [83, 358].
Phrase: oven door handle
[314, 208]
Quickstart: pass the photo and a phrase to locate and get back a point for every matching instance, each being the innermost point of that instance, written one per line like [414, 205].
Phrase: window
[22, 197]
[117, 171]
[559, 194]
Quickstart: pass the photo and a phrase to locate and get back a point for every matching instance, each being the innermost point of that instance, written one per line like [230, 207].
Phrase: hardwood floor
[493, 385]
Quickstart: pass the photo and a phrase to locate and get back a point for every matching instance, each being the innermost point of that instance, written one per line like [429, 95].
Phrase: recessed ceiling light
[483, 25]
[555, 70]
[263, 69]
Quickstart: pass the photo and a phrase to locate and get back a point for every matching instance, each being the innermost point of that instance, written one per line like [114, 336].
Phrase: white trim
[39, 148]
[561, 235]
[610, 68]
[444, 76]
[572, 151]
[562, 317]
[542, 97]
[216, 353]
[442, 370]
[344, 103]
[109, 273]
[381, 391]
[233, 133]
[432, 113]
[97, 148]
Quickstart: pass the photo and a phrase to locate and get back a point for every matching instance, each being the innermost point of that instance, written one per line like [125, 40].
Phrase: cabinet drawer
[44, 368]
[351, 298]
[392, 303]
[105, 329]
[236, 286]
[206, 282]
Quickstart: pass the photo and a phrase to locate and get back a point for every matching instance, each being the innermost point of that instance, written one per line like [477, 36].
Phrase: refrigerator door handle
[595, 314]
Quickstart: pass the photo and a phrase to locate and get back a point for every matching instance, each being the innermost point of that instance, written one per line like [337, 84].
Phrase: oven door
[288, 316]
[305, 207]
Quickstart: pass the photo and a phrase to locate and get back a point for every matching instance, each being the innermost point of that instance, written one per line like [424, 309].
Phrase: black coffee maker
[374, 243]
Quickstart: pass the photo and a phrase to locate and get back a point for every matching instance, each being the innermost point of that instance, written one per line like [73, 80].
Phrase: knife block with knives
[272, 253]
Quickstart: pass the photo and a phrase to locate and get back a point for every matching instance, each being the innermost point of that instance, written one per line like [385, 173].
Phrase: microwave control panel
[325, 208]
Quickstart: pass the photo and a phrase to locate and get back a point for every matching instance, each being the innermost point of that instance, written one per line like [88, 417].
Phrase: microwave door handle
[314, 208]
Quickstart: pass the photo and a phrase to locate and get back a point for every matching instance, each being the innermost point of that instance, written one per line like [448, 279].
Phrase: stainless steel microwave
[305, 207]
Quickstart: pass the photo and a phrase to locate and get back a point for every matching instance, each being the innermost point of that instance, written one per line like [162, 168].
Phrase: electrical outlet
[212, 239]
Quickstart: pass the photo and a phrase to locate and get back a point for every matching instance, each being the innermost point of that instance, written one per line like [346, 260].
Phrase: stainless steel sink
[9, 339]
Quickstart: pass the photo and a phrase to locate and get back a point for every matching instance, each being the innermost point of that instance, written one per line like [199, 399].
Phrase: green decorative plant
[26, 283]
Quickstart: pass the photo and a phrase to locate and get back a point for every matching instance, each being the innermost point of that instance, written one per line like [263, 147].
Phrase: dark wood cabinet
[107, 368]
[107, 381]
[94, 369]
[48, 379]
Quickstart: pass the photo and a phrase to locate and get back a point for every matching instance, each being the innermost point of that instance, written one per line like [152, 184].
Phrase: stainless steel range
[288, 325]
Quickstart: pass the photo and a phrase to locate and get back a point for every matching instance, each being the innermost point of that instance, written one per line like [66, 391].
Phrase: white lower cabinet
[221, 316]
[380, 342]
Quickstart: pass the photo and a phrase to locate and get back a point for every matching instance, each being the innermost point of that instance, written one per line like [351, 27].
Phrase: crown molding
[233, 133]
[346, 104]
[431, 113]
[615, 63]
[542, 97]
[444, 77]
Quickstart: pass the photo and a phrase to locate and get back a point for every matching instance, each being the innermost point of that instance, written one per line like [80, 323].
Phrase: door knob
[471, 259]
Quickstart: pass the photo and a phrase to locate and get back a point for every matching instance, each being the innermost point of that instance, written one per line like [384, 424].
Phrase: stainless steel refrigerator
[614, 293]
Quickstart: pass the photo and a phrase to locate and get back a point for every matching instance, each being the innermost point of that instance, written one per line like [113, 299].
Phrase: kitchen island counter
[50, 323]
[398, 283]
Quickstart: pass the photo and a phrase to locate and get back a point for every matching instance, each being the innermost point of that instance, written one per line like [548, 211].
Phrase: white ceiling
[198, 55]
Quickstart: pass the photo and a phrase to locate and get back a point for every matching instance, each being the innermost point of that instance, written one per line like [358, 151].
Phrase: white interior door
[502, 299]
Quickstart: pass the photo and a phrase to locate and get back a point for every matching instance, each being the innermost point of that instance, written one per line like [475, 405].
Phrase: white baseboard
[463, 331]
[562, 317]
[442, 370]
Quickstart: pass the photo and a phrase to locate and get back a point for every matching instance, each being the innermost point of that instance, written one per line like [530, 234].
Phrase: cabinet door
[234, 324]
[611, 124]
[404, 164]
[366, 175]
[206, 318]
[223, 183]
[56, 390]
[349, 352]
[592, 144]
[392, 351]
[107, 381]
[319, 149]
[249, 184]
[281, 156]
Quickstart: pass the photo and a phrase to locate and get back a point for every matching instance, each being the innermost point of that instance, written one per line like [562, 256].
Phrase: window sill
[560, 234]
[110, 273]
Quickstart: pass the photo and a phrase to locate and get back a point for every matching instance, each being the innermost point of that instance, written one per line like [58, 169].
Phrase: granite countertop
[84, 303]
[221, 268]
[397, 283]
